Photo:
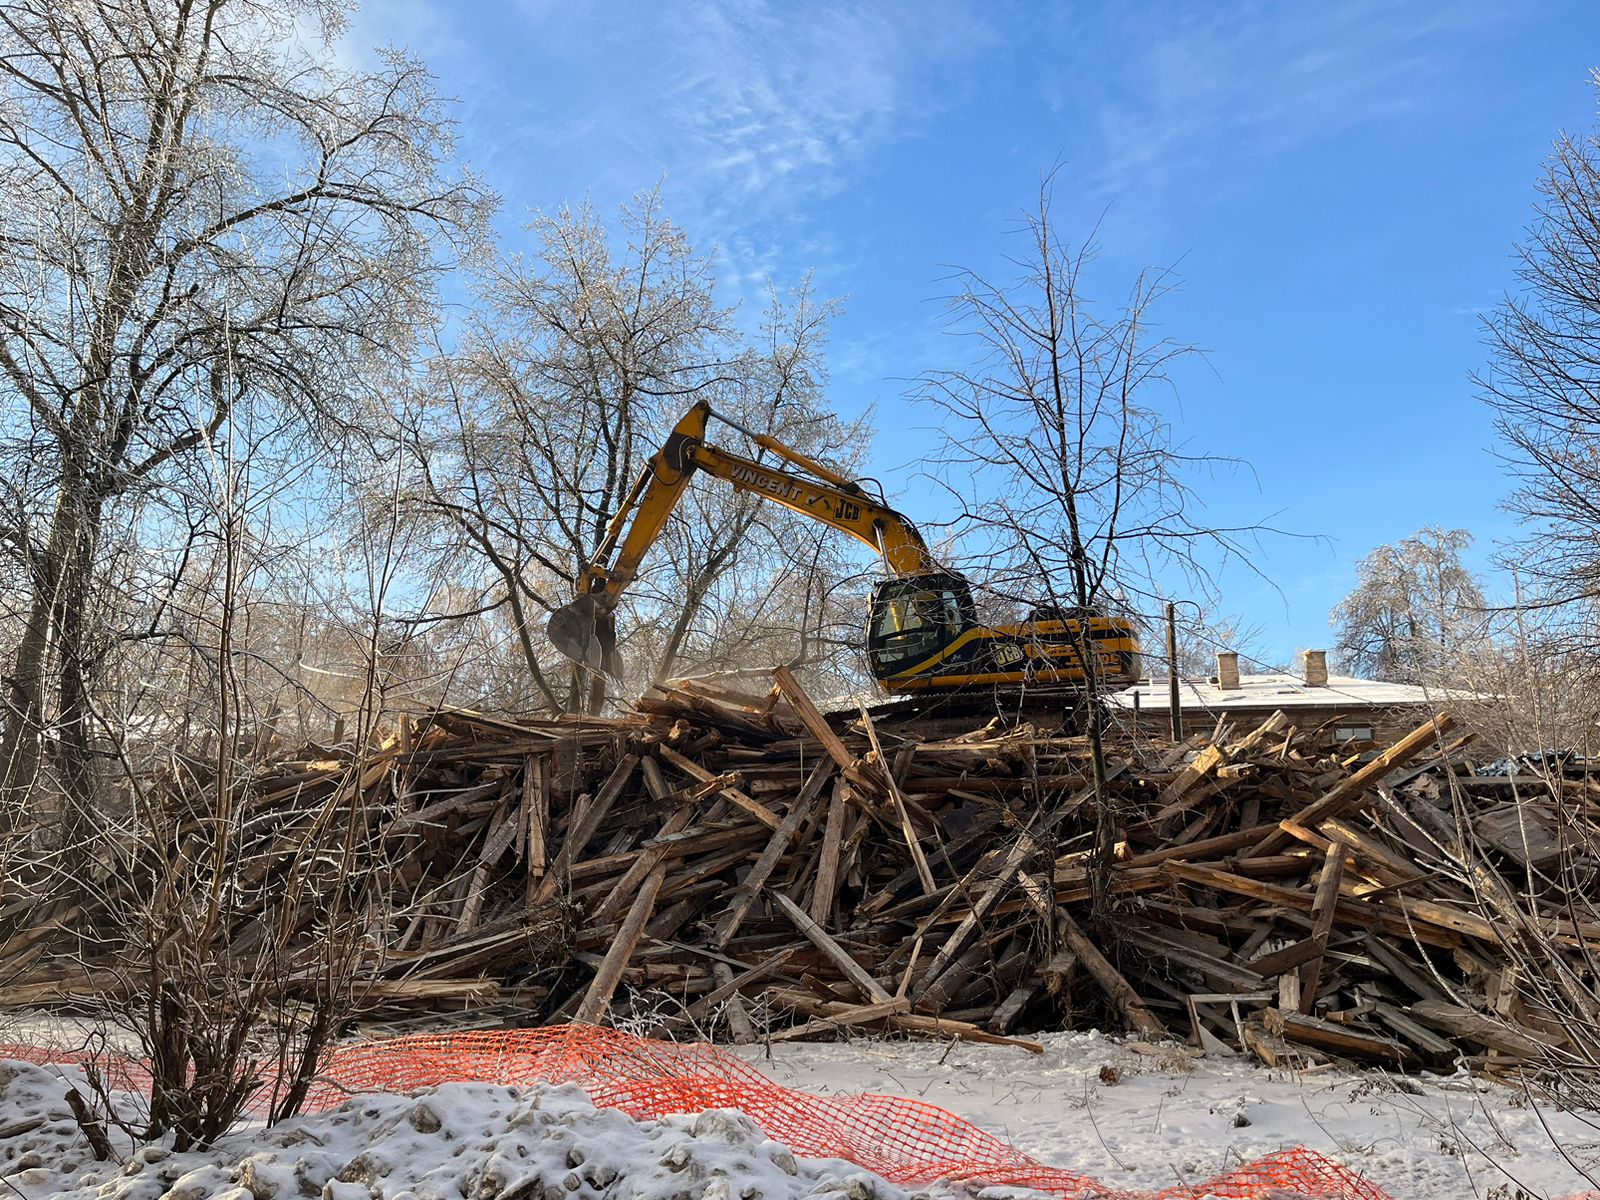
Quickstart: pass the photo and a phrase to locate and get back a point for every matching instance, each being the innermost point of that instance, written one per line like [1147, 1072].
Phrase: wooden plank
[811, 717]
[1324, 908]
[501, 829]
[1353, 912]
[1117, 989]
[598, 998]
[824, 891]
[738, 1021]
[1390, 866]
[856, 1014]
[1275, 963]
[1025, 846]
[502, 832]
[536, 799]
[1011, 1007]
[647, 860]
[1418, 980]
[734, 796]
[835, 953]
[585, 826]
[1175, 797]
[1348, 791]
[899, 800]
[1224, 843]
[906, 1022]
[739, 907]
[1419, 1035]
[1339, 1039]
[1218, 972]
[701, 1008]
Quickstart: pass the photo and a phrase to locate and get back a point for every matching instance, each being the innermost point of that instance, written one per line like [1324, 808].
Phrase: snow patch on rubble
[481, 1141]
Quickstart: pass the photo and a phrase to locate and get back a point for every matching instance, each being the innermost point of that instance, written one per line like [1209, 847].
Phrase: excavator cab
[915, 618]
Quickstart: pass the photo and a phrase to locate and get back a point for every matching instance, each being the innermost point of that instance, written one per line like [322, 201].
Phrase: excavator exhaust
[586, 632]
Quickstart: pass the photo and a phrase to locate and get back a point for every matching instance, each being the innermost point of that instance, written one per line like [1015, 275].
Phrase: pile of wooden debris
[735, 863]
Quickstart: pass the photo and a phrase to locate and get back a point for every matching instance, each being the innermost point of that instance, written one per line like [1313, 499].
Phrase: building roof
[1283, 691]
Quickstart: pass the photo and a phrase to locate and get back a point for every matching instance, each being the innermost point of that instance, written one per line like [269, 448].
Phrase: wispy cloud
[761, 106]
[423, 27]
[1228, 84]
[750, 112]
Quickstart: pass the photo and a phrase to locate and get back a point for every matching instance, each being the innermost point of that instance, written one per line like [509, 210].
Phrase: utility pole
[1172, 671]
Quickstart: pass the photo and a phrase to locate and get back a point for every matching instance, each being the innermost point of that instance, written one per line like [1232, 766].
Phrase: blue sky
[1339, 186]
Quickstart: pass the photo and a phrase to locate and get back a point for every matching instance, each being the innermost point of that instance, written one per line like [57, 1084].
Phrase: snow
[454, 1141]
[1134, 1119]
[1170, 1117]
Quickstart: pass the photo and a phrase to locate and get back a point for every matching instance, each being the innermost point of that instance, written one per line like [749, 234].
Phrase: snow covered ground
[1169, 1118]
[458, 1140]
[1133, 1119]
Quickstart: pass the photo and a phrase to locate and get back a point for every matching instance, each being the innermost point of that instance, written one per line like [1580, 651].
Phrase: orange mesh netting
[906, 1141]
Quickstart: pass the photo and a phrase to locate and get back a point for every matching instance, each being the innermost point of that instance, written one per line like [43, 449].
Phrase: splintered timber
[727, 859]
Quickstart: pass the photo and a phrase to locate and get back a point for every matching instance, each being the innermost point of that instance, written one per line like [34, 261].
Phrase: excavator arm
[584, 630]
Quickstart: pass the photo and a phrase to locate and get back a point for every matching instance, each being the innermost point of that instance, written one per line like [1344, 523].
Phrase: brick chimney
[1316, 668]
[1227, 670]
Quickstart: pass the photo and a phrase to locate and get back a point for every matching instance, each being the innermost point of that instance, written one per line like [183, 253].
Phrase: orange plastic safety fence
[906, 1141]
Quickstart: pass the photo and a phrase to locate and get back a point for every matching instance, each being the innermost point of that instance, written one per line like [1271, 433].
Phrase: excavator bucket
[585, 633]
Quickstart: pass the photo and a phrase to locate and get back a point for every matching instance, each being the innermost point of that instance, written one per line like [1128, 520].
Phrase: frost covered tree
[1543, 383]
[1415, 610]
[1071, 485]
[211, 231]
[529, 435]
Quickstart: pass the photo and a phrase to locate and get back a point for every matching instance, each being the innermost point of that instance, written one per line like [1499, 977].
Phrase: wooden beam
[857, 1014]
[1024, 847]
[811, 717]
[1324, 907]
[598, 998]
[906, 1022]
[734, 796]
[825, 889]
[909, 834]
[1117, 989]
[739, 907]
[1347, 792]
[835, 953]
[585, 826]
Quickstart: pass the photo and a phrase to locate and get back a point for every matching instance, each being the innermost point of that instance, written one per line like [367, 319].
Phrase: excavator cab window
[914, 618]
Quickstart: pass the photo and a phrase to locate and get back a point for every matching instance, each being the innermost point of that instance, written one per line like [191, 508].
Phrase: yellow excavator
[923, 634]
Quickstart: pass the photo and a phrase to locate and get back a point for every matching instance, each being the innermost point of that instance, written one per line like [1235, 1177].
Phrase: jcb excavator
[923, 631]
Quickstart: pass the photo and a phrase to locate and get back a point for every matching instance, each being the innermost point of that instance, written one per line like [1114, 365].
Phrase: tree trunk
[55, 622]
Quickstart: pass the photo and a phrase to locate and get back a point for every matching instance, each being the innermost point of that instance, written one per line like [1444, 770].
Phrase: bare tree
[534, 430]
[1543, 384]
[1204, 630]
[240, 947]
[1415, 613]
[202, 218]
[1071, 485]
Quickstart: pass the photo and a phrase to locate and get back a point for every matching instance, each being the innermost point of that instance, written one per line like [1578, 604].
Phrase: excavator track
[1053, 710]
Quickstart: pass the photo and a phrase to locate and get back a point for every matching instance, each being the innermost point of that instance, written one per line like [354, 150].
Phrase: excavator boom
[583, 630]
[923, 631]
